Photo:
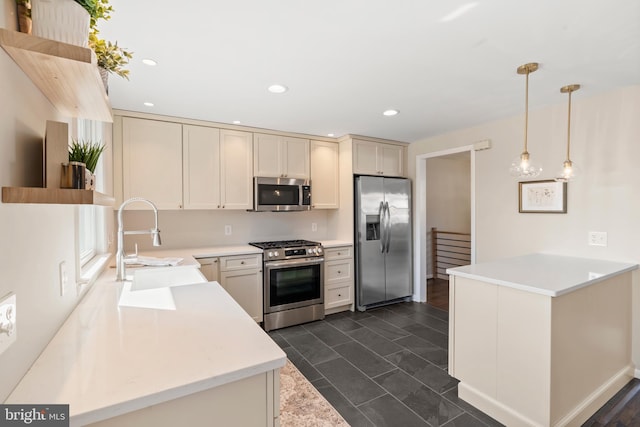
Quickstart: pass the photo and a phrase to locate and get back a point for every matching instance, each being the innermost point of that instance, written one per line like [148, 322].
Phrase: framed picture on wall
[547, 196]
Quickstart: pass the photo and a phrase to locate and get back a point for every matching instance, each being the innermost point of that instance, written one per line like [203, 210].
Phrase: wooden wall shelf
[66, 74]
[59, 196]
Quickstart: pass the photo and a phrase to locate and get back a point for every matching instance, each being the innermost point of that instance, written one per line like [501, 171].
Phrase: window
[91, 220]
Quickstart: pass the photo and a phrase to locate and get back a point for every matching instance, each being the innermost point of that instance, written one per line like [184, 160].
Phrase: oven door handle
[294, 262]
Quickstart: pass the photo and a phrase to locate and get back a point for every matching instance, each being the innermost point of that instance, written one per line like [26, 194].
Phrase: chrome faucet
[155, 233]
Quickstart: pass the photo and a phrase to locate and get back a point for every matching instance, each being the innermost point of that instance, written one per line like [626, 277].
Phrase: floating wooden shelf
[66, 74]
[59, 196]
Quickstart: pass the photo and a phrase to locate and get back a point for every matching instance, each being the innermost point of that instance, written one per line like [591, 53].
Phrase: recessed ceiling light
[390, 112]
[149, 104]
[236, 122]
[277, 89]
[330, 134]
[149, 62]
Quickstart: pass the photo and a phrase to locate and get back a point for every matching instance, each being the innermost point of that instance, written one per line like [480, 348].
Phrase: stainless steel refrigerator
[383, 240]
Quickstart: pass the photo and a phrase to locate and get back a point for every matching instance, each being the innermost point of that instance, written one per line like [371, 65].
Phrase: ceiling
[346, 61]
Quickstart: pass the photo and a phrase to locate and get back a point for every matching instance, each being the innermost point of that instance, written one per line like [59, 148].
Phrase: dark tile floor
[383, 367]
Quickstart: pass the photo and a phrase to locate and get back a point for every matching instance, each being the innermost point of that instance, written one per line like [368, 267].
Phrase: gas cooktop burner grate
[284, 244]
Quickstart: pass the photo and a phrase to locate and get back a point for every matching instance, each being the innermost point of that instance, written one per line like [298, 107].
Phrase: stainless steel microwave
[281, 194]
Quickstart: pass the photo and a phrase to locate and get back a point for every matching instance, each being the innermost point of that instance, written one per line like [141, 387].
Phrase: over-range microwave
[281, 194]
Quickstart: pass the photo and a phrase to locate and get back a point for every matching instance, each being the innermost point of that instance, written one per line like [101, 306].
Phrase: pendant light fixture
[568, 171]
[522, 166]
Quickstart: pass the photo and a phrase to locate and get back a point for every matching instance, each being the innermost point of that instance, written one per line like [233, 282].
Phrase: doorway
[445, 199]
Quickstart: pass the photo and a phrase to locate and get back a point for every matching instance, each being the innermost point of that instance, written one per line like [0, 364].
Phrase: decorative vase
[24, 20]
[62, 20]
[73, 175]
[89, 180]
[104, 74]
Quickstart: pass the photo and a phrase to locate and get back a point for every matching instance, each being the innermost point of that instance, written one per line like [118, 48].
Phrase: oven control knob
[312, 250]
[270, 254]
[276, 253]
[319, 251]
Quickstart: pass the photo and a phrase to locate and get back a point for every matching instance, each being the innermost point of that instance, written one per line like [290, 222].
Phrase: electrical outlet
[64, 278]
[8, 329]
[597, 238]
[228, 230]
[314, 226]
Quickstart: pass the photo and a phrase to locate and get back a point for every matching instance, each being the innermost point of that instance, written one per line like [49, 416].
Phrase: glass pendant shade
[523, 166]
[569, 169]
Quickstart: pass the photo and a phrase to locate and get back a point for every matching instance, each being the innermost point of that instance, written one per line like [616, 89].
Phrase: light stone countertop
[107, 360]
[335, 243]
[546, 274]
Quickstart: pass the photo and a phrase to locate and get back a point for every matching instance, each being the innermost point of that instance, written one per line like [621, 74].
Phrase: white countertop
[335, 243]
[546, 274]
[107, 360]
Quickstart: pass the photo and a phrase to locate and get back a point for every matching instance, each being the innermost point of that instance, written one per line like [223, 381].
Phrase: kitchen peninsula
[199, 360]
[540, 340]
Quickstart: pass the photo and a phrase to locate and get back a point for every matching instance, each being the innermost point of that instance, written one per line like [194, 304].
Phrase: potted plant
[87, 152]
[111, 57]
[67, 21]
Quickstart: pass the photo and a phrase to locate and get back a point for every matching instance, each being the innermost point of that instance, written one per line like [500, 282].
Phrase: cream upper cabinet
[217, 168]
[151, 166]
[201, 167]
[280, 157]
[375, 158]
[325, 178]
[236, 180]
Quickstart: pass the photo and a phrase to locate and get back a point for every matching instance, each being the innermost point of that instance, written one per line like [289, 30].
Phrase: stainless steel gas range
[293, 282]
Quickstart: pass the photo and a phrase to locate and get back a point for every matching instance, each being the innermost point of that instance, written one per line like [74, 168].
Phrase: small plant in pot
[111, 57]
[24, 16]
[87, 152]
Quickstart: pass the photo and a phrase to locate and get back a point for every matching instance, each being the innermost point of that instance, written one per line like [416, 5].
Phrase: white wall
[448, 185]
[34, 239]
[606, 197]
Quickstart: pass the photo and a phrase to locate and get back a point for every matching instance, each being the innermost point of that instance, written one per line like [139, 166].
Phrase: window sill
[91, 270]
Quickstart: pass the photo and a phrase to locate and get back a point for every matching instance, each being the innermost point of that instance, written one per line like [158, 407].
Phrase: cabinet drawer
[240, 262]
[338, 271]
[337, 297]
[338, 253]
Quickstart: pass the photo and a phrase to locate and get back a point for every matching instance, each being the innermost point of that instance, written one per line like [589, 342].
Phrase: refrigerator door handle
[382, 230]
[387, 231]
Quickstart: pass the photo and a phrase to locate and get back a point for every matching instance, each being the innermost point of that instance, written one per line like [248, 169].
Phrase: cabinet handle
[339, 295]
[339, 253]
[242, 262]
[218, 206]
[215, 261]
[339, 272]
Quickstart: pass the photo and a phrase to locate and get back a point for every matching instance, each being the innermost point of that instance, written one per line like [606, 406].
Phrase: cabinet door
[365, 158]
[152, 162]
[201, 167]
[295, 157]
[210, 268]
[325, 178]
[236, 161]
[267, 155]
[245, 287]
[390, 159]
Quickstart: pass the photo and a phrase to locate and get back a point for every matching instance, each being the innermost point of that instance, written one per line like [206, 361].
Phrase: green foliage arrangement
[98, 9]
[86, 152]
[110, 56]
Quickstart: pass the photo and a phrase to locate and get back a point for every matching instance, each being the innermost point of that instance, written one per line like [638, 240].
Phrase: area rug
[301, 405]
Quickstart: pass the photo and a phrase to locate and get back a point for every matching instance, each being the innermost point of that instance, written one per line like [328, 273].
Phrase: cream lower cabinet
[241, 277]
[376, 158]
[280, 156]
[210, 268]
[325, 176]
[338, 279]
[252, 401]
[150, 162]
[217, 168]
